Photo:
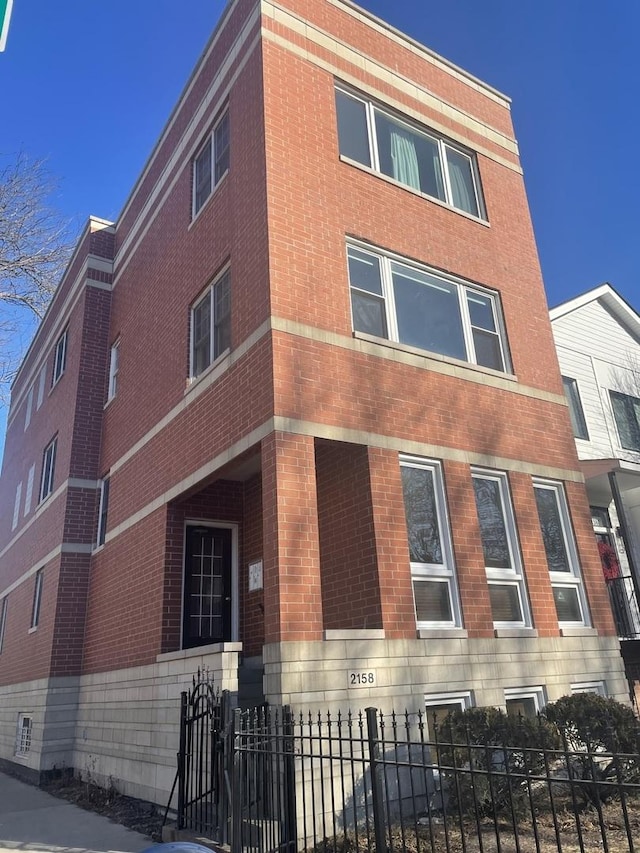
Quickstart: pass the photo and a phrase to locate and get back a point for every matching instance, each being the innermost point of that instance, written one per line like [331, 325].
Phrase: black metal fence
[624, 604]
[396, 782]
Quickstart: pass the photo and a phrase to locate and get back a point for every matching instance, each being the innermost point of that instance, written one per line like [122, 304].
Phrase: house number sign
[255, 575]
[362, 677]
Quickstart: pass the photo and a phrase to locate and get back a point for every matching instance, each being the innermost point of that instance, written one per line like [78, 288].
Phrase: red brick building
[297, 417]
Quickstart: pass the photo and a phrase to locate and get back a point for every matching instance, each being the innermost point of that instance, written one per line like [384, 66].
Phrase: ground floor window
[431, 553]
[524, 701]
[23, 736]
[439, 706]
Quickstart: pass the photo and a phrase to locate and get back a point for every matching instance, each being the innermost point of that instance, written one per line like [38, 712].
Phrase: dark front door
[207, 586]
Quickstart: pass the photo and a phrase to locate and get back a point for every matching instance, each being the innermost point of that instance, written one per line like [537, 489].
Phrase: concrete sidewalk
[31, 820]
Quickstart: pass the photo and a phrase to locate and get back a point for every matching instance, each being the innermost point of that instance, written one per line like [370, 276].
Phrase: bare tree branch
[35, 247]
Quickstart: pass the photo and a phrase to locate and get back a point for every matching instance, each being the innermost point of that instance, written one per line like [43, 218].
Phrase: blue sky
[90, 85]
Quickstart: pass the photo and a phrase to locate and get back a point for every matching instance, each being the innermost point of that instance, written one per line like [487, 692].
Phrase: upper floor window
[412, 305]
[575, 408]
[560, 551]
[29, 408]
[114, 367]
[503, 566]
[626, 411]
[211, 324]
[48, 469]
[408, 153]
[3, 618]
[29, 492]
[37, 598]
[41, 383]
[16, 506]
[431, 553]
[211, 163]
[59, 357]
[103, 511]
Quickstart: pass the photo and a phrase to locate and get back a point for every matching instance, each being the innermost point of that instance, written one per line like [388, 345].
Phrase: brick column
[392, 547]
[467, 550]
[291, 553]
[536, 570]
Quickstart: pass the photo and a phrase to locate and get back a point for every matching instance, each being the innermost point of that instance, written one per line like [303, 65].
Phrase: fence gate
[203, 802]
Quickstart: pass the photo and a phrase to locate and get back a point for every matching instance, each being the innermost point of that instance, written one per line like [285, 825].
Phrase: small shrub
[602, 736]
[494, 756]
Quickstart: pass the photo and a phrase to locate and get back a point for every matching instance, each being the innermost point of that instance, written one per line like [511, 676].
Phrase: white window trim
[208, 293]
[537, 693]
[460, 700]
[29, 490]
[48, 469]
[114, 369]
[597, 687]
[446, 572]
[618, 437]
[463, 288]
[572, 579]
[59, 360]
[515, 575]
[29, 409]
[24, 735]
[211, 136]
[581, 413]
[416, 127]
[16, 506]
[41, 384]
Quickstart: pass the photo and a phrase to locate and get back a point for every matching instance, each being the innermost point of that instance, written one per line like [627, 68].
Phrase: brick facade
[285, 452]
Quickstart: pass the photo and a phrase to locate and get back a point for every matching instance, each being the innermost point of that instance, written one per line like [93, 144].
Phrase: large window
[626, 411]
[59, 357]
[575, 408]
[211, 163]
[407, 153]
[432, 569]
[48, 469]
[211, 324]
[561, 554]
[393, 299]
[503, 566]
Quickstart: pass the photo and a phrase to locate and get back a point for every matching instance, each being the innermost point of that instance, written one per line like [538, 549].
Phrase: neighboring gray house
[597, 337]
